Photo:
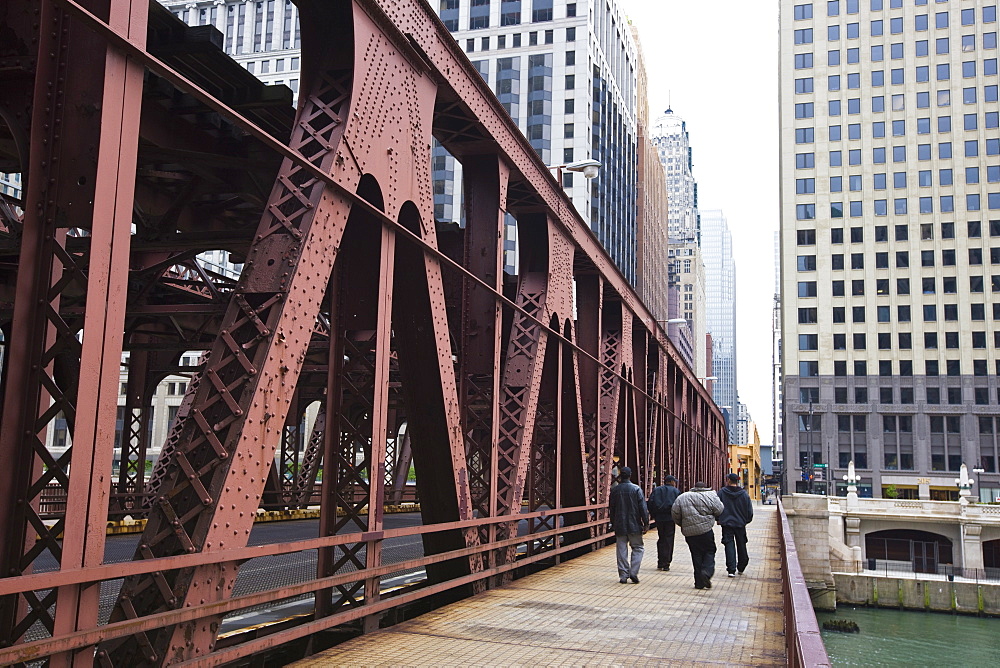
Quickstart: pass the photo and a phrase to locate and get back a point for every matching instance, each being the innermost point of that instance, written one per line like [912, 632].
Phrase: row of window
[896, 103]
[974, 230]
[883, 313]
[510, 13]
[810, 369]
[952, 396]
[833, 8]
[807, 289]
[900, 206]
[884, 340]
[174, 389]
[264, 66]
[877, 27]
[897, 51]
[806, 186]
[970, 148]
[925, 179]
[897, 76]
[547, 36]
[835, 133]
[927, 257]
[944, 447]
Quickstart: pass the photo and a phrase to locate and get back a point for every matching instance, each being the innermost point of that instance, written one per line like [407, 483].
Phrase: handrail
[804, 646]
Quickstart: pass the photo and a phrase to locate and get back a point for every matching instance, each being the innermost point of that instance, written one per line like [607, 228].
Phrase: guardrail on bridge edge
[803, 643]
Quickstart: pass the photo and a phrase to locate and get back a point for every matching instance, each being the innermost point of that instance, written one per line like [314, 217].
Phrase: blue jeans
[628, 568]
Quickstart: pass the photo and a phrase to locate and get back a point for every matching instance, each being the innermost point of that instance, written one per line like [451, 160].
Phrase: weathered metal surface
[803, 643]
[414, 342]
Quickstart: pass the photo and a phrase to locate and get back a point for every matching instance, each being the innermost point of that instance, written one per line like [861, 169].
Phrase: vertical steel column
[135, 433]
[485, 180]
[311, 458]
[380, 418]
[87, 187]
[326, 558]
[589, 290]
[90, 480]
[215, 474]
[522, 380]
[610, 396]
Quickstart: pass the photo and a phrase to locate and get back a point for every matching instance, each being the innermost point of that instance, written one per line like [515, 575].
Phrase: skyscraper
[720, 294]
[653, 263]
[568, 78]
[890, 174]
[671, 138]
[776, 378]
[687, 272]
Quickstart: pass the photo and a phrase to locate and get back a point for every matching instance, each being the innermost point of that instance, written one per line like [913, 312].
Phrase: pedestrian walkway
[578, 614]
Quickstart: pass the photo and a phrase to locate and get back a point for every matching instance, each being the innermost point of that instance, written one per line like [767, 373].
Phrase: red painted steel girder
[507, 388]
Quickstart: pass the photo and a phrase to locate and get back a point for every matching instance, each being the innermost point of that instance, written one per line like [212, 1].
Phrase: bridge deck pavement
[578, 614]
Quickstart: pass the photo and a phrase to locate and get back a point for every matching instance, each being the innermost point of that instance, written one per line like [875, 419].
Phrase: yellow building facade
[744, 460]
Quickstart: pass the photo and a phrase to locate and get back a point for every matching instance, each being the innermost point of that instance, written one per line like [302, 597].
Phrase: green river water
[912, 639]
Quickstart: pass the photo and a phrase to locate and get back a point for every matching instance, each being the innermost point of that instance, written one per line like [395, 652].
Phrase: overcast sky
[715, 62]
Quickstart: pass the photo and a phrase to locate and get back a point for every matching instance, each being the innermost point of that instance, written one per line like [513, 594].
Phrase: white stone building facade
[890, 241]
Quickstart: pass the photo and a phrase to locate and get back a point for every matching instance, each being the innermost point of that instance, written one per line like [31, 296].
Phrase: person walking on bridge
[695, 512]
[736, 515]
[661, 501]
[630, 519]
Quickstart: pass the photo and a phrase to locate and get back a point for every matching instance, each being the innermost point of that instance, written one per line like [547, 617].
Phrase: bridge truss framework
[142, 145]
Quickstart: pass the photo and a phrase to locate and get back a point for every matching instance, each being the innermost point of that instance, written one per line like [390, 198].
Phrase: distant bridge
[142, 145]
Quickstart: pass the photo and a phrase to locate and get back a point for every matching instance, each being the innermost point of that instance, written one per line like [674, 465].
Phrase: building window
[541, 10]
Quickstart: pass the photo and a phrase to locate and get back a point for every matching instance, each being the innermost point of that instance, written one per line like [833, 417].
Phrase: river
[905, 638]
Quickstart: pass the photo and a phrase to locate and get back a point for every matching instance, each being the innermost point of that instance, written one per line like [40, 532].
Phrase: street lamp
[590, 168]
[810, 461]
[964, 484]
[978, 469]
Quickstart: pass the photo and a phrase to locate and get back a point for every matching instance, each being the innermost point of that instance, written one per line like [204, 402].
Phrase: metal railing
[534, 547]
[803, 643]
[52, 501]
[907, 570]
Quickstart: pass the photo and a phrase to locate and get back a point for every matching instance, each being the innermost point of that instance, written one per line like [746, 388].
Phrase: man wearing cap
[661, 501]
[630, 519]
[737, 514]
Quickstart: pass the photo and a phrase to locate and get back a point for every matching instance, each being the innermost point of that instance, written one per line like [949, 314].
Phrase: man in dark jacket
[630, 520]
[736, 515]
[661, 500]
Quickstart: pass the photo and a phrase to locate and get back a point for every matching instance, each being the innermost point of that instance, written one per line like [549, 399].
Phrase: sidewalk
[578, 614]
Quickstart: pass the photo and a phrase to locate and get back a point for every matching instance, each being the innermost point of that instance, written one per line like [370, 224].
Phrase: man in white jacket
[695, 511]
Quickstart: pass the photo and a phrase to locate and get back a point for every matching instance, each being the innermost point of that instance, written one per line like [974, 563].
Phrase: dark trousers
[664, 542]
[702, 556]
[734, 539]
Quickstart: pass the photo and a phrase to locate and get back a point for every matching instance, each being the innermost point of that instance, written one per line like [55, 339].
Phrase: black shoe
[741, 571]
[699, 587]
[635, 579]
[623, 580]
[708, 584]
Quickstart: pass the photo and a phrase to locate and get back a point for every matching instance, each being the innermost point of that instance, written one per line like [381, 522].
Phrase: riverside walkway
[577, 614]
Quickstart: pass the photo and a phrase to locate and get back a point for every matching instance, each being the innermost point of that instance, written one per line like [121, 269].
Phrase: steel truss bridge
[142, 145]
